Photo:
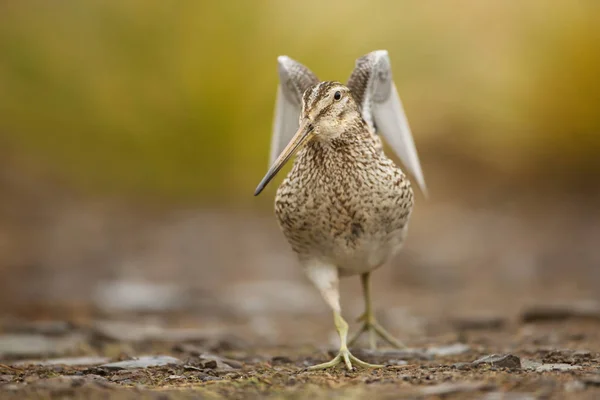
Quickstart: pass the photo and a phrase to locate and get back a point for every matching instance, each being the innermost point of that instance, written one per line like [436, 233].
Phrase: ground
[545, 353]
[496, 303]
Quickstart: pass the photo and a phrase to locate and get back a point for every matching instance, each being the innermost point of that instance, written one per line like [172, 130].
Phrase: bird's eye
[337, 95]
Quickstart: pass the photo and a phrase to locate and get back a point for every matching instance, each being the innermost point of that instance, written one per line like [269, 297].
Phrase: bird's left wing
[372, 86]
[294, 79]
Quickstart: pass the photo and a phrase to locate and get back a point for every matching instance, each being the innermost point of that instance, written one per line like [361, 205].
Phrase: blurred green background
[173, 101]
[133, 134]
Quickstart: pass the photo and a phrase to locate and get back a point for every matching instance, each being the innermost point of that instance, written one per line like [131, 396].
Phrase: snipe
[344, 207]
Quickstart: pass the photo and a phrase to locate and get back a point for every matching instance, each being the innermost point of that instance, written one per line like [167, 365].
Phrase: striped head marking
[329, 107]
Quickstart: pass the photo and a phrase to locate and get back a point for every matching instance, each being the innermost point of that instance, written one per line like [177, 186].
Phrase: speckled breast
[351, 210]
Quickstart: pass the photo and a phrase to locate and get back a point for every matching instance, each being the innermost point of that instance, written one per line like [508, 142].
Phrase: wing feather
[373, 88]
[294, 79]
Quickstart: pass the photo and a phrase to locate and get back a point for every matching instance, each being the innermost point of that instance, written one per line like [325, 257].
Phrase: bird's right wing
[294, 79]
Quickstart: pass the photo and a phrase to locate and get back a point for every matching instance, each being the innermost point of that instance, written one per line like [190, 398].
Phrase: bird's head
[328, 109]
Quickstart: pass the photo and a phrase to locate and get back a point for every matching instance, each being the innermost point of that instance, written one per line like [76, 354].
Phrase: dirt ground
[493, 303]
[547, 352]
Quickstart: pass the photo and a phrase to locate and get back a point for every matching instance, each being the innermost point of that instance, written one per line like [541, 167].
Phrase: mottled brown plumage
[344, 207]
[345, 201]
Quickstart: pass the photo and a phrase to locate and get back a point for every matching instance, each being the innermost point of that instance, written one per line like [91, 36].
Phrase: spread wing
[294, 79]
[372, 85]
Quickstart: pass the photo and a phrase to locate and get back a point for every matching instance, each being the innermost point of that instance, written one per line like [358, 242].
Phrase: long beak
[301, 137]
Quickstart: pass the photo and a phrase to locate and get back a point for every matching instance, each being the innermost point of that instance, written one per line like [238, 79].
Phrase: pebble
[450, 350]
[591, 380]
[444, 389]
[49, 328]
[60, 383]
[528, 364]
[463, 366]
[478, 322]
[131, 296]
[500, 361]
[559, 312]
[216, 362]
[143, 362]
[508, 396]
[36, 345]
[557, 367]
[72, 361]
[120, 331]
[567, 356]
[399, 354]
[545, 367]
[280, 360]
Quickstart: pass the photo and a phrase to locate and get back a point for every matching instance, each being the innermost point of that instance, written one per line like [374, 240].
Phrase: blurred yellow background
[174, 100]
[133, 134]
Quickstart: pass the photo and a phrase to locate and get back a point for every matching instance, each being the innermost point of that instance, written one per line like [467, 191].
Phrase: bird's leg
[344, 355]
[370, 325]
[325, 277]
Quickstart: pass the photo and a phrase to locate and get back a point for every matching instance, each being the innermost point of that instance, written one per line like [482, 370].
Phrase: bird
[345, 206]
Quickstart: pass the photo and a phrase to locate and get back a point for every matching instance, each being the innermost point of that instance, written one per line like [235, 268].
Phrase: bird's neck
[356, 142]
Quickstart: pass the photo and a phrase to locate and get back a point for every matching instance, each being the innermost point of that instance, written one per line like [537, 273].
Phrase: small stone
[463, 366]
[584, 354]
[397, 362]
[500, 360]
[143, 362]
[98, 380]
[559, 312]
[530, 364]
[35, 345]
[557, 367]
[567, 356]
[478, 322]
[211, 364]
[48, 328]
[121, 377]
[65, 382]
[73, 361]
[6, 378]
[203, 376]
[213, 361]
[188, 367]
[400, 354]
[591, 380]
[279, 360]
[134, 296]
[119, 331]
[444, 389]
[450, 350]
[508, 396]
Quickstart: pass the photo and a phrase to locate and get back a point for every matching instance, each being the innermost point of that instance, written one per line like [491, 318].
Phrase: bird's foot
[373, 328]
[344, 356]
